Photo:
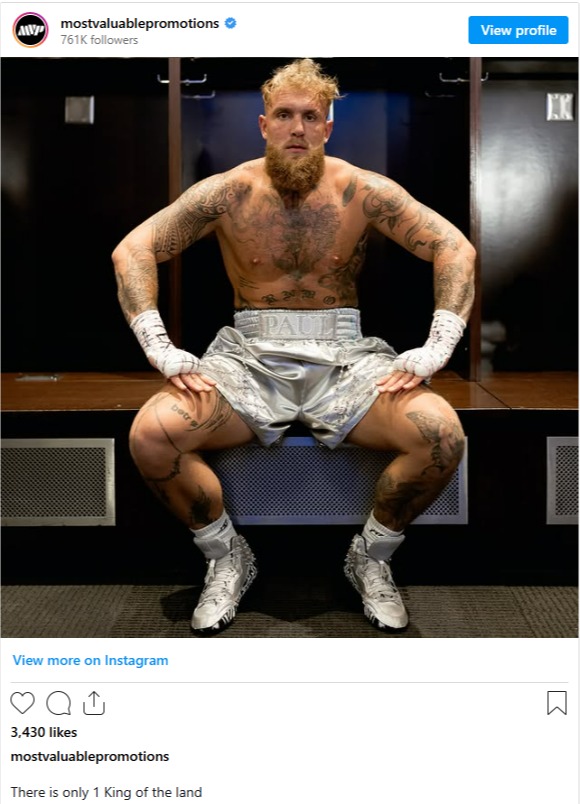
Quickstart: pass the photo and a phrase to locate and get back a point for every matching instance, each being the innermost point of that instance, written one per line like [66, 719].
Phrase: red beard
[298, 175]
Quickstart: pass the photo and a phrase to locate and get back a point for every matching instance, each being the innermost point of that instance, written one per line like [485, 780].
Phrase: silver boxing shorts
[312, 366]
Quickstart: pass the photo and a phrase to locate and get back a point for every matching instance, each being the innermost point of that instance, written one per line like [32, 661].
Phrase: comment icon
[58, 703]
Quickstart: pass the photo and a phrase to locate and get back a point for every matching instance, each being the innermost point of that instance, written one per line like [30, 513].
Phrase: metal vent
[301, 482]
[52, 481]
[562, 480]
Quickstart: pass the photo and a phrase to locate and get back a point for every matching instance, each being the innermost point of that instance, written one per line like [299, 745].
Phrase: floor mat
[285, 611]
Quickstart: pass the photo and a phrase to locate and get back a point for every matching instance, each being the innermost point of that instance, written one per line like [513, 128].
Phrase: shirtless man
[292, 228]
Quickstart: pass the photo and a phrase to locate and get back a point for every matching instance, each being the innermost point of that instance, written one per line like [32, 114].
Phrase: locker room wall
[70, 193]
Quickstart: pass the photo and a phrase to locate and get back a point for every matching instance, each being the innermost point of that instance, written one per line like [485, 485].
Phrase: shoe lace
[220, 574]
[380, 580]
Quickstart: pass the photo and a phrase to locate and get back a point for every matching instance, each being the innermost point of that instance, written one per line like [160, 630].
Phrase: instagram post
[496, 398]
[290, 319]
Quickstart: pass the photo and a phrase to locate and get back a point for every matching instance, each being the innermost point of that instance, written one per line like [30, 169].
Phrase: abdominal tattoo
[299, 294]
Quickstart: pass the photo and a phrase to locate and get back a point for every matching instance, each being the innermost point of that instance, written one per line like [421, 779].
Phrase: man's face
[295, 129]
[295, 123]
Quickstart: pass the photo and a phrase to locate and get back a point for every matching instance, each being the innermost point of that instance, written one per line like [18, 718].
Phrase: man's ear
[328, 132]
[262, 123]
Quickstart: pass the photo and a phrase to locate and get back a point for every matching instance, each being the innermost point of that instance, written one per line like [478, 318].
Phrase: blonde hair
[302, 75]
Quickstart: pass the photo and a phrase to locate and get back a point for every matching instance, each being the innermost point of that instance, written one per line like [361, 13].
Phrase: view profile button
[518, 30]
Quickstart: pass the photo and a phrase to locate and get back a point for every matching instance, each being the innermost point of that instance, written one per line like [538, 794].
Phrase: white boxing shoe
[373, 580]
[227, 579]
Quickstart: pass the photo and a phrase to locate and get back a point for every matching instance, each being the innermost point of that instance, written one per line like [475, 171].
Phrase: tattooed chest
[295, 242]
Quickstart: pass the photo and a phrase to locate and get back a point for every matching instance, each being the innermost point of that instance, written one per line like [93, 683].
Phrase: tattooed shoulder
[383, 199]
[196, 212]
[215, 196]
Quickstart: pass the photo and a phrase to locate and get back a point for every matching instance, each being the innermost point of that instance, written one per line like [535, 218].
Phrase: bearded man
[292, 227]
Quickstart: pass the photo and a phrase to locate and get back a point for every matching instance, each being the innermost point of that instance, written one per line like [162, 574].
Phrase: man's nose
[297, 125]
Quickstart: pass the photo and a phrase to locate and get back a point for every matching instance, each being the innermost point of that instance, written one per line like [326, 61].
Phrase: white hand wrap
[446, 331]
[154, 340]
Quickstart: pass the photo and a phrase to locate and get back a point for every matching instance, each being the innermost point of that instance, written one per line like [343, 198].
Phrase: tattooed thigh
[180, 422]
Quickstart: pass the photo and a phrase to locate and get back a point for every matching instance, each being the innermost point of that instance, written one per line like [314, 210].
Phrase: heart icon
[22, 701]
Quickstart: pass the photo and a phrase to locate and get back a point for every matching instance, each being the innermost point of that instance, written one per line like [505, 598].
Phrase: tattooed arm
[195, 214]
[169, 232]
[391, 210]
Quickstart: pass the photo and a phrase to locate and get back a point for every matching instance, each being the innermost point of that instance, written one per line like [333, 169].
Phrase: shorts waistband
[282, 325]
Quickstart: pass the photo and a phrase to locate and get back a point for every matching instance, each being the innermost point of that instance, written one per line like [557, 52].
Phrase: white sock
[215, 539]
[381, 542]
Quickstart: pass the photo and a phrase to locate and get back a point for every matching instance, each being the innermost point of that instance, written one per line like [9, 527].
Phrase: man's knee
[150, 437]
[438, 431]
[177, 422]
[166, 424]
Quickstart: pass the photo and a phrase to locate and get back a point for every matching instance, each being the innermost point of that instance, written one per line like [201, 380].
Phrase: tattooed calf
[200, 509]
[398, 502]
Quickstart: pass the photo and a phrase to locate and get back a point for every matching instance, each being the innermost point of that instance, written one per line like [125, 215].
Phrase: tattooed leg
[165, 441]
[428, 436]
[413, 480]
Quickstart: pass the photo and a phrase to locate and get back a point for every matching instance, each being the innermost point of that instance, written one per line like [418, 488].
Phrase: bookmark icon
[557, 702]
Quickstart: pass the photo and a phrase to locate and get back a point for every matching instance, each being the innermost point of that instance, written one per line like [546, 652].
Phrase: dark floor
[277, 610]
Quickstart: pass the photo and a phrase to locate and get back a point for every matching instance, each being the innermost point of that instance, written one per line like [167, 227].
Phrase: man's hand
[198, 383]
[179, 366]
[411, 368]
[398, 381]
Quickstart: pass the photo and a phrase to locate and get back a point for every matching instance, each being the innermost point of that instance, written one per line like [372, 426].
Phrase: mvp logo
[30, 30]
